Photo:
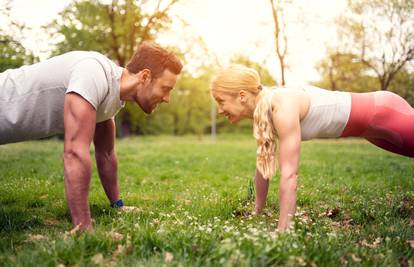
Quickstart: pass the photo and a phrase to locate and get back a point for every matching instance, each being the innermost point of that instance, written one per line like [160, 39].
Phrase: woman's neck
[251, 104]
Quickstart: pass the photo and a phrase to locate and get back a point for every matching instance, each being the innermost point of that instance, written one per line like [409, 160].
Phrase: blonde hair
[238, 77]
[235, 78]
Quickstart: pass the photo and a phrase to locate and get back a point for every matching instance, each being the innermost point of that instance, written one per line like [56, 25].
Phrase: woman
[289, 115]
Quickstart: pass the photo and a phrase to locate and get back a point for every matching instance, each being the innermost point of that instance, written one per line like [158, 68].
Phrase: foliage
[114, 29]
[345, 72]
[382, 33]
[403, 84]
[13, 53]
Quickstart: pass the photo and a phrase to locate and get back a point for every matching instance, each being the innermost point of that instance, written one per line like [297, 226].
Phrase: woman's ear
[243, 96]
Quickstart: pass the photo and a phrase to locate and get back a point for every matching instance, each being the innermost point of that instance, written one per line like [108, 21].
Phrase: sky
[227, 27]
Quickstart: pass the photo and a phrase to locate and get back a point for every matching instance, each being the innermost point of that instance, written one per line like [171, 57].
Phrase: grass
[355, 207]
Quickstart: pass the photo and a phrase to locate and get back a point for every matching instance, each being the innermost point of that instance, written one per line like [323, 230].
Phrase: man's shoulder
[77, 56]
[83, 53]
[91, 59]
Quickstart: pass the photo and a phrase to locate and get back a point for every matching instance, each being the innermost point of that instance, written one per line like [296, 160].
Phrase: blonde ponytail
[265, 134]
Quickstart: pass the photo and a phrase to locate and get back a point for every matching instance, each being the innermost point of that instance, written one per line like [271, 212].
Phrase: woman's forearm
[262, 187]
[287, 198]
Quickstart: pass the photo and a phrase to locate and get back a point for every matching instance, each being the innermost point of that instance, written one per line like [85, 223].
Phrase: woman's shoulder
[279, 97]
[290, 98]
[285, 89]
[285, 92]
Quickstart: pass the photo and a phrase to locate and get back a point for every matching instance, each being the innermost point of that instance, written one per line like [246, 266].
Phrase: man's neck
[128, 86]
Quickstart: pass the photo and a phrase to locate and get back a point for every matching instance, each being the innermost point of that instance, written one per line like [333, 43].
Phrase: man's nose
[220, 110]
[166, 99]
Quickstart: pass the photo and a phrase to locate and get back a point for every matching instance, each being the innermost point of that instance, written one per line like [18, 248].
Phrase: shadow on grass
[14, 219]
[17, 220]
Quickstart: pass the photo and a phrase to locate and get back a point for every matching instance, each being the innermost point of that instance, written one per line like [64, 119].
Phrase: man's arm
[79, 123]
[287, 124]
[262, 187]
[106, 160]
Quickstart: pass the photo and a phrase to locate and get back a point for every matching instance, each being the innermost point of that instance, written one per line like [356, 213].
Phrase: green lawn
[355, 207]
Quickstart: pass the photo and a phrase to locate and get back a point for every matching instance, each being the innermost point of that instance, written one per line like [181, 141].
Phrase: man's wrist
[117, 204]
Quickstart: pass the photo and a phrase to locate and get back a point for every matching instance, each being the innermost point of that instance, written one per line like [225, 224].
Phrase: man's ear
[144, 76]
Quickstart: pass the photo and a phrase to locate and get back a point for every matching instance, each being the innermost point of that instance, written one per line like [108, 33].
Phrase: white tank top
[328, 113]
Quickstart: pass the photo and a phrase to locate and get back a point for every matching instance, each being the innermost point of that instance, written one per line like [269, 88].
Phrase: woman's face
[229, 105]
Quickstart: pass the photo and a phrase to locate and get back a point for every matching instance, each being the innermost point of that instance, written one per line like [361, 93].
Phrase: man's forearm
[262, 187]
[77, 178]
[287, 198]
[108, 172]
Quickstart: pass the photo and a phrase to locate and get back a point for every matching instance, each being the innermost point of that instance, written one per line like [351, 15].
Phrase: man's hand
[79, 123]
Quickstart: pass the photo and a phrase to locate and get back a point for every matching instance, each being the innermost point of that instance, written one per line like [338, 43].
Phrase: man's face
[157, 90]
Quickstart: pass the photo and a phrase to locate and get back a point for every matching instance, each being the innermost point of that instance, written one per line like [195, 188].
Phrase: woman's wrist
[258, 208]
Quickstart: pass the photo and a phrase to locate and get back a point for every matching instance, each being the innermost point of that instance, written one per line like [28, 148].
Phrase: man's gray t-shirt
[32, 97]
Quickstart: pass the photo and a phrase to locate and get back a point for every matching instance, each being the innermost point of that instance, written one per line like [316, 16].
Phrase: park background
[353, 46]
[194, 191]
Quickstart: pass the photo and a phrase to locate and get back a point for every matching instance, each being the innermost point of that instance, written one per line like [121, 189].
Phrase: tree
[346, 72]
[115, 29]
[403, 84]
[381, 32]
[281, 40]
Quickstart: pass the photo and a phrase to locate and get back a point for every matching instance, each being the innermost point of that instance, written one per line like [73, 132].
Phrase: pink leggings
[384, 119]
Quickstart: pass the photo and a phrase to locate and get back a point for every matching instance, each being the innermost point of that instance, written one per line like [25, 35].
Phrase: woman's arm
[262, 187]
[286, 120]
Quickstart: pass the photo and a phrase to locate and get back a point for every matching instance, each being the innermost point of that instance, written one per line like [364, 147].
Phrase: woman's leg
[384, 144]
[392, 126]
[383, 118]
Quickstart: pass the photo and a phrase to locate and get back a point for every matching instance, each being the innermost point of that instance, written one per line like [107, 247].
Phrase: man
[78, 94]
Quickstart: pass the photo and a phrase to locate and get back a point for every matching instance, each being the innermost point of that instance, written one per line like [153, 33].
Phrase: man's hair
[155, 58]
